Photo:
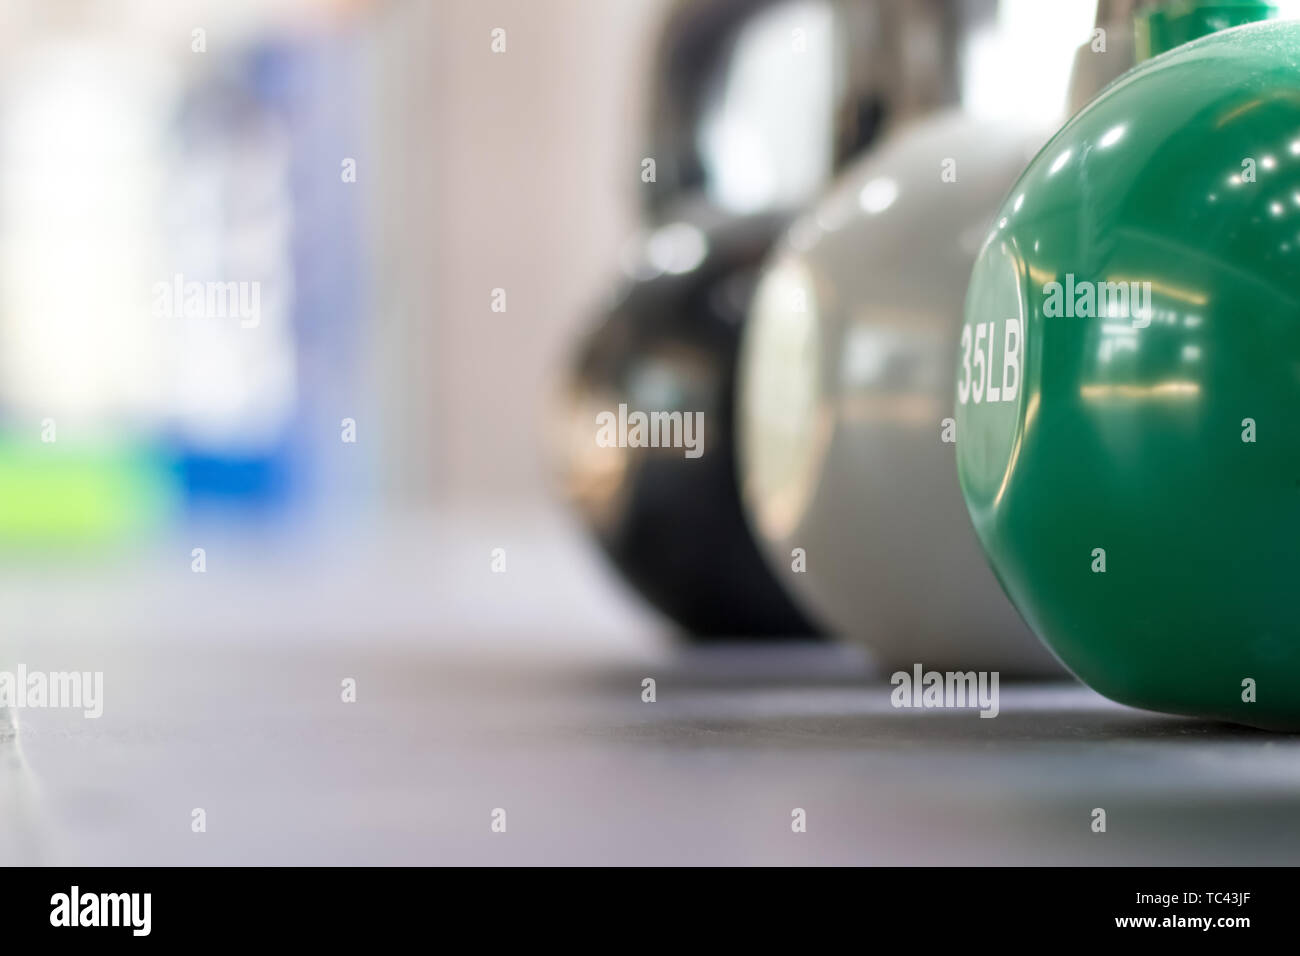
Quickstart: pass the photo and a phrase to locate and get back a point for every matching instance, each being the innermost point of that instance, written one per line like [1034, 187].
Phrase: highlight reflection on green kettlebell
[1129, 377]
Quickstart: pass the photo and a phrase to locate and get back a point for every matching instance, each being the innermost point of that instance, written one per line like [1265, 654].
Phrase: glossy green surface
[1125, 430]
[1160, 29]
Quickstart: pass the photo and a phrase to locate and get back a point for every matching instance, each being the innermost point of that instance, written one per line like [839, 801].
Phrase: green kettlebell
[1128, 384]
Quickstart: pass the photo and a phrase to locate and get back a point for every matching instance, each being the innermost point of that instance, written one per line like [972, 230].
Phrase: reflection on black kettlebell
[661, 366]
[757, 104]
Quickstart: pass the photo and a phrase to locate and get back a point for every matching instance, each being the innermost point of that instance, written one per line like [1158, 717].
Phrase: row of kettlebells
[1116, 397]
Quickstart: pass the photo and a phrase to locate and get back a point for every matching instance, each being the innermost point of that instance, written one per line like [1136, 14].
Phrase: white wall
[516, 170]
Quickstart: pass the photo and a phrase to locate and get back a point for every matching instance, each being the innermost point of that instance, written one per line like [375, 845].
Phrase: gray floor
[246, 722]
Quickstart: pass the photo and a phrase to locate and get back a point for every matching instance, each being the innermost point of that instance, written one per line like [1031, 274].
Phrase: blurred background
[358, 476]
[378, 171]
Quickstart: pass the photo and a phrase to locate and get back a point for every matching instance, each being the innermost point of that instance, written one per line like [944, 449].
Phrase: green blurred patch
[60, 497]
